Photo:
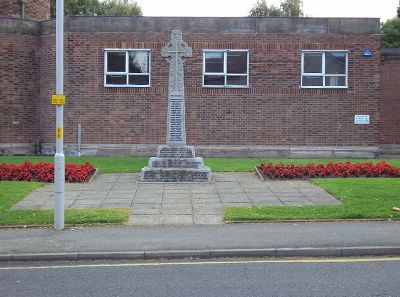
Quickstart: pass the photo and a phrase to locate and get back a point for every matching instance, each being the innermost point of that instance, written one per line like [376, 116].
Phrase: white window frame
[323, 74]
[225, 74]
[126, 73]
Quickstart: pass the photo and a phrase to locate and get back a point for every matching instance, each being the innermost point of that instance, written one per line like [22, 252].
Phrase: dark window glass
[312, 63]
[338, 81]
[309, 81]
[116, 61]
[237, 62]
[114, 79]
[139, 80]
[214, 80]
[335, 63]
[214, 62]
[138, 62]
[236, 80]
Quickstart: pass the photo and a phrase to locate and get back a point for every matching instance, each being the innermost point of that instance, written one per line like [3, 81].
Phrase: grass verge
[362, 198]
[13, 192]
[247, 164]
[106, 164]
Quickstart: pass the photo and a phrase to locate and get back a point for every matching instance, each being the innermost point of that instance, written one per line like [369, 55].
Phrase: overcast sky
[383, 9]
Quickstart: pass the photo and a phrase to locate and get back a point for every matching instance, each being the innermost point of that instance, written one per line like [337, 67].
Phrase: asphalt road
[265, 277]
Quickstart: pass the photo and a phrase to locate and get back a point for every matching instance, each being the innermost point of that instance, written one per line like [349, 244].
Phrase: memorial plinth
[176, 161]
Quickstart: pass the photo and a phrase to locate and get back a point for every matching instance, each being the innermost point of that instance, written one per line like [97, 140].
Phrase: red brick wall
[10, 8]
[36, 10]
[390, 100]
[273, 111]
[18, 88]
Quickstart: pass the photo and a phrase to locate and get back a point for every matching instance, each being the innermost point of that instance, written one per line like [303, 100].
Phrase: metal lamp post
[59, 101]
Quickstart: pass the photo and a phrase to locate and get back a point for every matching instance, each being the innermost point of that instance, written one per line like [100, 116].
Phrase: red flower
[44, 172]
[347, 169]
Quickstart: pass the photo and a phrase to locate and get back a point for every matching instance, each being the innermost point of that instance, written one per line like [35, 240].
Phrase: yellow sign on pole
[57, 99]
[59, 133]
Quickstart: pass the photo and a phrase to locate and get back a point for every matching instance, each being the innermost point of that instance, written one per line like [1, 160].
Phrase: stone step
[202, 174]
[175, 151]
[156, 162]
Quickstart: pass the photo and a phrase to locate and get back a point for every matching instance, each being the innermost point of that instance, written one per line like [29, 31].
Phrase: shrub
[44, 172]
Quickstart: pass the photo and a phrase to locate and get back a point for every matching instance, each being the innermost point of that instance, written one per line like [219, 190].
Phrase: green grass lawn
[247, 164]
[13, 192]
[106, 164]
[135, 164]
[362, 198]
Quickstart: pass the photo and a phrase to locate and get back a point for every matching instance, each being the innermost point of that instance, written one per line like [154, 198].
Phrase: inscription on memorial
[176, 129]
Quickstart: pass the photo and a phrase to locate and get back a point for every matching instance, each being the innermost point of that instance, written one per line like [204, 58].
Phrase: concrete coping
[19, 26]
[390, 53]
[283, 25]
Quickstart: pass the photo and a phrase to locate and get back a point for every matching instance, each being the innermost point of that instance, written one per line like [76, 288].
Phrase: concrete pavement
[180, 204]
[232, 240]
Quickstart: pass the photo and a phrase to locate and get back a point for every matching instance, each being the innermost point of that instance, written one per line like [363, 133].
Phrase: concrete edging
[208, 254]
[94, 175]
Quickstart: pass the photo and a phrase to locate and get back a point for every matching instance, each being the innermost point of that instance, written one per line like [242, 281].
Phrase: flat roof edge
[288, 25]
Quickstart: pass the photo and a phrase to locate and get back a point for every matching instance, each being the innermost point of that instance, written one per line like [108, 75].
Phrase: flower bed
[44, 172]
[347, 169]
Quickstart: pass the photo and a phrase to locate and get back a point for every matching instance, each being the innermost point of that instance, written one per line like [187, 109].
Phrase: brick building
[390, 101]
[254, 86]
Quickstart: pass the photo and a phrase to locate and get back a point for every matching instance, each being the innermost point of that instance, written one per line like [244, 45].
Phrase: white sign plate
[361, 119]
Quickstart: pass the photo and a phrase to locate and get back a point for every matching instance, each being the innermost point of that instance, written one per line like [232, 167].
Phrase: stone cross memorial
[176, 161]
[176, 53]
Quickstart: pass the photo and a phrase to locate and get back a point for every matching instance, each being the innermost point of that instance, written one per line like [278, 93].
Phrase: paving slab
[207, 219]
[179, 204]
[181, 219]
[144, 220]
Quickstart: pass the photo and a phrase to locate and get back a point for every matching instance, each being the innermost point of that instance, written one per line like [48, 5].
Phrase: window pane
[139, 80]
[312, 63]
[335, 63]
[312, 81]
[116, 79]
[236, 80]
[214, 62]
[237, 62]
[214, 80]
[338, 81]
[138, 62]
[116, 62]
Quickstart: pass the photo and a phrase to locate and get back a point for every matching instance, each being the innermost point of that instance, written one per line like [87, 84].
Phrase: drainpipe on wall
[22, 3]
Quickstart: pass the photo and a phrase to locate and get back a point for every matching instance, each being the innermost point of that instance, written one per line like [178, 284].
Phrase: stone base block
[175, 151]
[123, 150]
[156, 162]
[17, 149]
[202, 174]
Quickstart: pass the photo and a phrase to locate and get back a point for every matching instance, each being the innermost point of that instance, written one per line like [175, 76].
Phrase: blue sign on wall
[367, 52]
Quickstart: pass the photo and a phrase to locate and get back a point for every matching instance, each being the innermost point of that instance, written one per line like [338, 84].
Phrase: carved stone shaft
[176, 52]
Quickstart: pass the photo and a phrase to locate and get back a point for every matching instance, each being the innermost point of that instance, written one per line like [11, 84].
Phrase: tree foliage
[261, 8]
[398, 10]
[292, 8]
[96, 7]
[121, 7]
[286, 8]
[390, 31]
